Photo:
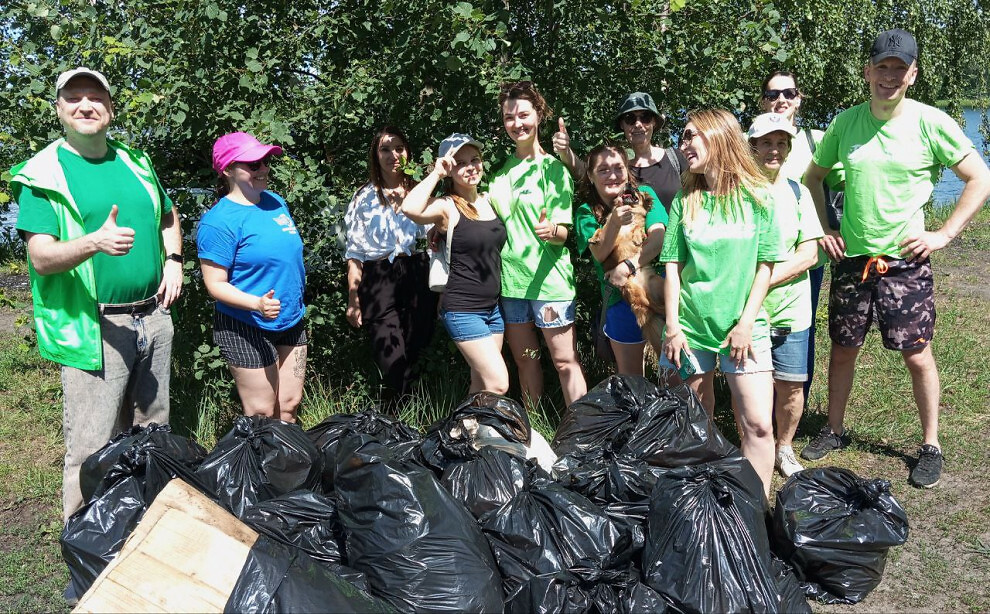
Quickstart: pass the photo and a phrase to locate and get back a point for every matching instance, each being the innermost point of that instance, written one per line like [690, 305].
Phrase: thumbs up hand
[545, 230]
[112, 239]
[561, 140]
[269, 306]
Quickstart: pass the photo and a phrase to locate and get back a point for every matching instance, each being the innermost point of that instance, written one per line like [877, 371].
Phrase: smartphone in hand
[688, 365]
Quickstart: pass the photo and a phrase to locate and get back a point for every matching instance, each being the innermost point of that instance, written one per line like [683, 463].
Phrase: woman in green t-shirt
[719, 253]
[608, 178]
[532, 193]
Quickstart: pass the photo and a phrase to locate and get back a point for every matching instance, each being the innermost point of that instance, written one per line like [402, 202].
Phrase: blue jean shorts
[521, 311]
[790, 356]
[621, 325]
[471, 325]
[705, 362]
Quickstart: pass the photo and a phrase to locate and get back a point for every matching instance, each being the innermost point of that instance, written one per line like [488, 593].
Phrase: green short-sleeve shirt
[789, 304]
[720, 252]
[891, 168]
[531, 268]
[97, 185]
[585, 227]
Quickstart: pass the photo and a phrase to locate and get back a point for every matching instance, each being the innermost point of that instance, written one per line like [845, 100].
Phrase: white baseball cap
[453, 143]
[771, 122]
[82, 71]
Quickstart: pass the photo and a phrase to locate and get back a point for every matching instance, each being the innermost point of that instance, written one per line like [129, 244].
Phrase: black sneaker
[928, 470]
[823, 443]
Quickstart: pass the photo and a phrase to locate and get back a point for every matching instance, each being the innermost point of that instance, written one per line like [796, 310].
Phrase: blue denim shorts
[621, 325]
[522, 310]
[470, 325]
[705, 362]
[790, 356]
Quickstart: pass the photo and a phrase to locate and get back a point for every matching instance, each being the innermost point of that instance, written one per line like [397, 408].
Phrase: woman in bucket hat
[387, 271]
[469, 306]
[251, 256]
[788, 302]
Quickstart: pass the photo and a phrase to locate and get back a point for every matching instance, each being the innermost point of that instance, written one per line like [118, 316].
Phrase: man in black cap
[892, 149]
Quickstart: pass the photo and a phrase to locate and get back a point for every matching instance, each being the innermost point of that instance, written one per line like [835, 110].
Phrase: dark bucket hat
[637, 101]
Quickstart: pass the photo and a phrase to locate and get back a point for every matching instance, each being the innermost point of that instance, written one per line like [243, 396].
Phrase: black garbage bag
[484, 419]
[260, 459]
[279, 578]
[617, 482]
[386, 429]
[835, 529]
[181, 449]
[792, 595]
[308, 521]
[600, 593]
[675, 430]
[547, 529]
[707, 548]
[604, 416]
[420, 549]
[486, 481]
[94, 534]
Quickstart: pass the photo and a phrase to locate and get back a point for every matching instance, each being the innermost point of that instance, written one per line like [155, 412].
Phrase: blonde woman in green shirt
[721, 243]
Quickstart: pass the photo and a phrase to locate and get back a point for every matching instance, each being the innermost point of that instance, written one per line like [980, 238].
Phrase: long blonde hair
[730, 160]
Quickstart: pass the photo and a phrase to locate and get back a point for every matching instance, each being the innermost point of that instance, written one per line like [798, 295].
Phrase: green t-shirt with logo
[891, 169]
[720, 252]
[531, 268]
[789, 304]
[585, 227]
[97, 185]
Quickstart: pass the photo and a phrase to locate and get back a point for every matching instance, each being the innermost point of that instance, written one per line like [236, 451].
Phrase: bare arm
[972, 170]
[355, 270]
[617, 218]
[562, 147]
[418, 205]
[805, 257]
[674, 339]
[832, 241]
[49, 255]
[217, 284]
[171, 286]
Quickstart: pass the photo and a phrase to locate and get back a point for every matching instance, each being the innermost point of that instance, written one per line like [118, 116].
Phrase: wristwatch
[175, 258]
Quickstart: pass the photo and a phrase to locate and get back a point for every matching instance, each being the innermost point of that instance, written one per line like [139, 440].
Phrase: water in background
[947, 190]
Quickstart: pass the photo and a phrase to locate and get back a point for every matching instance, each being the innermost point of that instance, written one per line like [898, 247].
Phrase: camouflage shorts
[902, 300]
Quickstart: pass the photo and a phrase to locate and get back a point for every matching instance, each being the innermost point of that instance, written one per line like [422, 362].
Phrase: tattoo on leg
[299, 369]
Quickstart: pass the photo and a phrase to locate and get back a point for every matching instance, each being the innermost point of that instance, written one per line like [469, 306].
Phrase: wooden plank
[185, 555]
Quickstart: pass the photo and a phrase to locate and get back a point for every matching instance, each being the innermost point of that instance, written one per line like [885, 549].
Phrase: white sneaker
[786, 463]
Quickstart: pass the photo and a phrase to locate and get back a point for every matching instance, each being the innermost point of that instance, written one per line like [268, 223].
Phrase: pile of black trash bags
[647, 509]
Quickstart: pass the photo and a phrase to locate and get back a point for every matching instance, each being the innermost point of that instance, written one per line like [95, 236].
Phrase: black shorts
[249, 347]
[901, 298]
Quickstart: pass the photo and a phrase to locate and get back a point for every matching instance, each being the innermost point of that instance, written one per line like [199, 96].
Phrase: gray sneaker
[928, 470]
[823, 443]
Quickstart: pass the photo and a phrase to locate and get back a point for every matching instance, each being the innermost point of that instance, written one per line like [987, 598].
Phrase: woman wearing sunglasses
[252, 261]
[721, 243]
[388, 290]
[782, 95]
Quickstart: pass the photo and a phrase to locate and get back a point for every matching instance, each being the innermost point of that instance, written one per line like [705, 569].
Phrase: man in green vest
[892, 149]
[105, 256]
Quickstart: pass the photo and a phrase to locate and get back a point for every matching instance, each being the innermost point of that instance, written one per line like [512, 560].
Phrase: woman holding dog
[469, 306]
[532, 194]
[788, 302]
[719, 254]
[601, 222]
[387, 272]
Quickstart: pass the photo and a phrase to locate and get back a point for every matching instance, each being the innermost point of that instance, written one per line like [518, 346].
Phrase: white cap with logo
[82, 71]
[771, 122]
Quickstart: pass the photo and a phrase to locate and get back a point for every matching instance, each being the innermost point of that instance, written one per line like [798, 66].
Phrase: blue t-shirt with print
[261, 250]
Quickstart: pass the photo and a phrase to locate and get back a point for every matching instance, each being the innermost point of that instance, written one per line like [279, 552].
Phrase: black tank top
[475, 279]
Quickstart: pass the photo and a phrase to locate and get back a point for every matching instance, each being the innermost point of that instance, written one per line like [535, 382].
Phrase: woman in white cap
[788, 302]
[387, 270]
[719, 252]
[469, 306]
[252, 261]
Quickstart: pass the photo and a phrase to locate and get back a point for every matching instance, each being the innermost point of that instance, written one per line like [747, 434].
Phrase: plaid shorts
[249, 347]
[900, 295]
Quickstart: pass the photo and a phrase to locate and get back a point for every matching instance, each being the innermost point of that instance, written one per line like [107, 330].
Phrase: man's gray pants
[130, 389]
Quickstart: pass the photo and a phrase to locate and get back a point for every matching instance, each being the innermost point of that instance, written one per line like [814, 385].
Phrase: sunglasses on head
[688, 135]
[643, 117]
[256, 165]
[790, 93]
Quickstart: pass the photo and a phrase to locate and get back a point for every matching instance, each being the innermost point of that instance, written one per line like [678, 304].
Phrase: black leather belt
[137, 308]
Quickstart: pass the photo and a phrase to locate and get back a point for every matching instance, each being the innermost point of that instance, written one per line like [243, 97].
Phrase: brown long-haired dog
[643, 291]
